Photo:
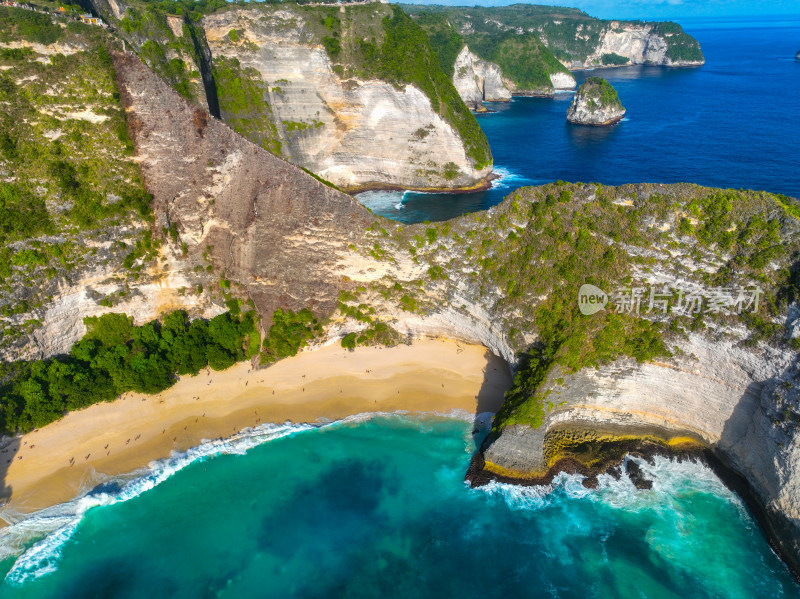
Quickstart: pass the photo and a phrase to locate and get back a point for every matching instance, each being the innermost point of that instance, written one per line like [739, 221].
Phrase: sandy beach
[63, 459]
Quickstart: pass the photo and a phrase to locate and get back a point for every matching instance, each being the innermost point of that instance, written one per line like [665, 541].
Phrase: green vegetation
[528, 258]
[680, 45]
[613, 59]
[570, 342]
[114, 357]
[443, 38]
[243, 104]
[568, 34]
[521, 57]
[29, 26]
[70, 183]
[175, 58]
[289, 333]
[382, 42]
[600, 92]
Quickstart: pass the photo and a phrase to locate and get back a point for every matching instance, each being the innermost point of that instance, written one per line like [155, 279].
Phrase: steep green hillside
[569, 34]
[71, 195]
[520, 55]
[600, 93]
[528, 257]
[166, 36]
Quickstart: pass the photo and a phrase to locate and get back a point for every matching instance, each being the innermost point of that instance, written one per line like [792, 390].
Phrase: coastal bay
[110, 439]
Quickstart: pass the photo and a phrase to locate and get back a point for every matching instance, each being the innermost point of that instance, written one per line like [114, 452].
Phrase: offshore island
[175, 207]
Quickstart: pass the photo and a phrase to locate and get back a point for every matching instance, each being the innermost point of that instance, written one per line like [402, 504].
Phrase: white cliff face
[738, 401]
[479, 81]
[638, 43]
[562, 81]
[350, 132]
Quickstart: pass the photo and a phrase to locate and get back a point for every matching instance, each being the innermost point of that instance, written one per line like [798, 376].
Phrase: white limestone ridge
[478, 81]
[363, 131]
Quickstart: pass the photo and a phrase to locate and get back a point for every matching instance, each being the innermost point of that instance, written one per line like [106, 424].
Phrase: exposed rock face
[258, 220]
[479, 81]
[734, 400]
[354, 133]
[595, 103]
[562, 81]
[641, 44]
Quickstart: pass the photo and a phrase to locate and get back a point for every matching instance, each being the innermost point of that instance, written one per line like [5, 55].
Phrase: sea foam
[671, 478]
[55, 525]
[52, 527]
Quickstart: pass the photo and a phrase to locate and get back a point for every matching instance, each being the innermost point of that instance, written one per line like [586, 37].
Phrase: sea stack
[595, 103]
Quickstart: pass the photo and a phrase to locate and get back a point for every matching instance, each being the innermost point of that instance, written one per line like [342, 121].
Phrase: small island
[596, 103]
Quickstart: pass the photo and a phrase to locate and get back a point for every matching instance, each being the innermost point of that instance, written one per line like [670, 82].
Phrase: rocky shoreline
[482, 185]
[774, 530]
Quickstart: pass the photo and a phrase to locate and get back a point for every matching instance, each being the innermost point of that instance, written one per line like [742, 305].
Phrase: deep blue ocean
[733, 123]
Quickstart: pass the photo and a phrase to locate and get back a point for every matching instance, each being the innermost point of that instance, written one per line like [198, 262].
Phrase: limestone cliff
[595, 103]
[535, 45]
[526, 67]
[622, 43]
[316, 101]
[478, 81]
[352, 94]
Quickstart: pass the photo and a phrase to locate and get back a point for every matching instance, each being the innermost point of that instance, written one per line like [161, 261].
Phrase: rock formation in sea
[595, 103]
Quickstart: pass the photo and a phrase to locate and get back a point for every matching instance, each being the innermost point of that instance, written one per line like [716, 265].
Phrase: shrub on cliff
[289, 332]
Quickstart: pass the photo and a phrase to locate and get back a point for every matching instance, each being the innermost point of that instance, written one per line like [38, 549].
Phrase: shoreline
[70, 456]
[483, 184]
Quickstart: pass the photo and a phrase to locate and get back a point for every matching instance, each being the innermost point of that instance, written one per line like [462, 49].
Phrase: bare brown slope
[262, 223]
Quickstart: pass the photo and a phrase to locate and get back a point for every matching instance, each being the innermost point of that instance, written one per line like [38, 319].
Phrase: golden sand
[65, 458]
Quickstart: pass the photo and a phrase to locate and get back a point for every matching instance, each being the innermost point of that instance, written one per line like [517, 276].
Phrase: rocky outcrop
[562, 82]
[797, 56]
[478, 81]
[643, 44]
[742, 404]
[595, 103]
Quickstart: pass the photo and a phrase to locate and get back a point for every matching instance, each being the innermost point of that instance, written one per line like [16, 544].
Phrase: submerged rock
[797, 56]
[595, 103]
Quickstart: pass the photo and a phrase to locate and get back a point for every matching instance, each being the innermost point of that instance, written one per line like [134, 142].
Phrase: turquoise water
[721, 125]
[378, 508]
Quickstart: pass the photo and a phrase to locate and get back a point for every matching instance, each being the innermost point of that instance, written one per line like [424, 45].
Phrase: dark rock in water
[636, 475]
[590, 482]
[797, 56]
[615, 472]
